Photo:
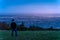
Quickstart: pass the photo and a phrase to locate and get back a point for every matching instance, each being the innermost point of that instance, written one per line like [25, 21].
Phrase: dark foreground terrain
[31, 35]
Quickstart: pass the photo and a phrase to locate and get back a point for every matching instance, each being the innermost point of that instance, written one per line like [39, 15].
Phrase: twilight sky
[29, 6]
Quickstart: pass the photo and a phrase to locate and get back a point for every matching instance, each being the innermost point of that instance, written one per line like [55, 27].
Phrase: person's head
[12, 20]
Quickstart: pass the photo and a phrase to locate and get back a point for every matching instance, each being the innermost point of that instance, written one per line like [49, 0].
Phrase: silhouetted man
[13, 28]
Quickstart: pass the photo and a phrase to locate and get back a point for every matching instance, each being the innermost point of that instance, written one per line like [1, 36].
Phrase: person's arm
[16, 26]
[9, 27]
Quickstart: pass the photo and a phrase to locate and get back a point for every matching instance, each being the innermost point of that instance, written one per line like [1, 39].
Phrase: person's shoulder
[14, 22]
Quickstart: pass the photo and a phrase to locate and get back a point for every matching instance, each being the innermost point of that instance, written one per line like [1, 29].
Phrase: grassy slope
[31, 35]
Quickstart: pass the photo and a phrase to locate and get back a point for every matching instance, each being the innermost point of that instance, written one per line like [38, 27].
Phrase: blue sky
[29, 6]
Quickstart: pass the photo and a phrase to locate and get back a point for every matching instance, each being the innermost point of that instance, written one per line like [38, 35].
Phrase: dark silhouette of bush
[34, 28]
[22, 27]
[51, 28]
[4, 26]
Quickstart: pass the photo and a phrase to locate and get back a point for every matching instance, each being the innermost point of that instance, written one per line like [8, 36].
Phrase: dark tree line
[21, 27]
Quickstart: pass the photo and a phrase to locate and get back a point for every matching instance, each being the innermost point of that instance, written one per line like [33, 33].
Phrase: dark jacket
[13, 25]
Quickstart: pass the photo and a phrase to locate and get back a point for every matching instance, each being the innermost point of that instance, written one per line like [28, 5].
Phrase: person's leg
[16, 32]
[12, 32]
